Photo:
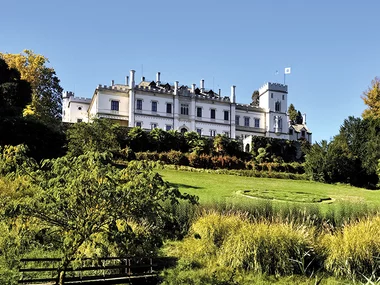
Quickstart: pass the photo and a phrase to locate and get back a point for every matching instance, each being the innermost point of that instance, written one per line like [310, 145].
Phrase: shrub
[177, 158]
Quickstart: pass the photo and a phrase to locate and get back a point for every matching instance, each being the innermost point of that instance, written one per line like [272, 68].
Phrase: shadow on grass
[186, 186]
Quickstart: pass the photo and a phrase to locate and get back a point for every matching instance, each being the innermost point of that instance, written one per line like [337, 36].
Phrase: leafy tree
[46, 104]
[292, 112]
[15, 93]
[100, 135]
[255, 98]
[316, 161]
[371, 98]
[79, 198]
[220, 144]
[299, 118]
[159, 139]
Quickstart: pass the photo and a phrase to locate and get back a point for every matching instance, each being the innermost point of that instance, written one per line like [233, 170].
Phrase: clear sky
[332, 46]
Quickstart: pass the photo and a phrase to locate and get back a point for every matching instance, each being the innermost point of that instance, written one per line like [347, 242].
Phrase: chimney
[193, 88]
[202, 85]
[112, 82]
[304, 118]
[132, 75]
[127, 80]
[220, 92]
[176, 88]
[158, 79]
[143, 78]
[233, 96]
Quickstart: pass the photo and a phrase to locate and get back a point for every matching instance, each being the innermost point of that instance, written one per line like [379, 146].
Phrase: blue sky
[333, 47]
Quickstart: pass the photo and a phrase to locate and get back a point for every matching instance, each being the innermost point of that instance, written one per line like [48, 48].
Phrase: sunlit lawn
[211, 187]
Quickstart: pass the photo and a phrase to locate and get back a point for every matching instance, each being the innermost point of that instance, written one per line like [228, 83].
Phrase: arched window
[247, 147]
[183, 130]
[277, 106]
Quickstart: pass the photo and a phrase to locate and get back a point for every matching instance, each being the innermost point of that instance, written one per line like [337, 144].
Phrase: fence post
[151, 266]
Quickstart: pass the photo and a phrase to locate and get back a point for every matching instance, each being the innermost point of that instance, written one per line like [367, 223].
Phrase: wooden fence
[108, 270]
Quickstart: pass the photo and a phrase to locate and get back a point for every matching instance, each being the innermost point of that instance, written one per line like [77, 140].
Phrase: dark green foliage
[15, 93]
[351, 157]
[255, 98]
[292, 112]
[275, 149]
[100, 135]
[81, 198]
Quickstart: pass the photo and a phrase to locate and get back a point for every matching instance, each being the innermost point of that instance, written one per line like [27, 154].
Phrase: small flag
[287, 70]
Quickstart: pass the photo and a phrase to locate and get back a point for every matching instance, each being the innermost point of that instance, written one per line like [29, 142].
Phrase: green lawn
[212, 187]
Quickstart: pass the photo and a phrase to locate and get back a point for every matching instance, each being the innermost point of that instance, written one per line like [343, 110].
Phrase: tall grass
[354, 250]
[281, 245]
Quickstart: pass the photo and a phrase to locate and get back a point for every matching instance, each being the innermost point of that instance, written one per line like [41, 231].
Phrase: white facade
[154, 104]
[74, 109]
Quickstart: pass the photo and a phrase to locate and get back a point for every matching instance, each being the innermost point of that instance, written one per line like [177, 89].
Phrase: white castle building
[155, 104]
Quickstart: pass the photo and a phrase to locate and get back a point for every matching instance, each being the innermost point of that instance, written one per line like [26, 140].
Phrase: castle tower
[274, 98]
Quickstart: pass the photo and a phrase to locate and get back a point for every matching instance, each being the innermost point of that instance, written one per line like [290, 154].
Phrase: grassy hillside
[212, 188]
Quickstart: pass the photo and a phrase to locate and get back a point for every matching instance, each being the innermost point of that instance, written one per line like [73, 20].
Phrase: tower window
[277, 106]
[237, 120]
[114, 105]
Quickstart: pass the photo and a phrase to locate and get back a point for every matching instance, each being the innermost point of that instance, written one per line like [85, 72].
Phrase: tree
[81, 197]
[100, 135]
[255, 98]
[299, 118]
[292, 112]
[371, 98]
[46, 104]
[15, 93]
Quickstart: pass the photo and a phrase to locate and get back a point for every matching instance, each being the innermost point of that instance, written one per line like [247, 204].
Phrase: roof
[299, 127]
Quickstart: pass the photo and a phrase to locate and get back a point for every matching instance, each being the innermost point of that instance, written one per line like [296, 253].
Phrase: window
[138, 104]
[185, 109]
[237, 120]
[114, 105]
[153, 125]
[138, 124]
[199, 112]
[303, 134]
[169, 108]
[154, 106]
[271, 95]
[246, 121]
[168, 127]
[257, 123]
[199, 131]
[212, 133]
[212, 114]
[79, 120]
[226, 115]
[79, 108]
[283, 97]
[291, 132]
[277, 106]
